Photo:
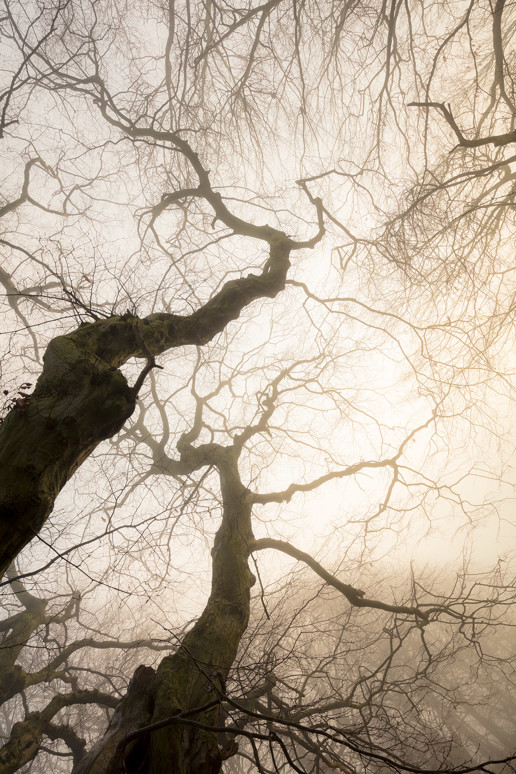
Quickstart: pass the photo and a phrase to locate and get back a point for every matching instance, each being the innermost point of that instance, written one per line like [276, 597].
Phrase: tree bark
[26, 735]
[81, 398]
[196, 674]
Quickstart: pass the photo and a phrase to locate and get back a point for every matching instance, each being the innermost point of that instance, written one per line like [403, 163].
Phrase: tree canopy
[256, 483]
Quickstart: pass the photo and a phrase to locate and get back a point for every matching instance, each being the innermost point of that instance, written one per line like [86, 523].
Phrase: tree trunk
[81, 398]
[194, 675]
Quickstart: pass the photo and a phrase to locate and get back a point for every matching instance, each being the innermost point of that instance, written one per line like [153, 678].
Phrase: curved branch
[65, 732]
[493, 139]
[20, 679]
[286, 495]
[355, 596]
[499, 55]
[390, 462]
[27, 734]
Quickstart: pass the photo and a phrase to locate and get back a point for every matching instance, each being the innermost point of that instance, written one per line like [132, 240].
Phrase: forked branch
[492, 139]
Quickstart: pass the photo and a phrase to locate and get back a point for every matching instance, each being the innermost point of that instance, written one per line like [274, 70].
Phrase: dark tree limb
[65, 732]
[355, 596]
[464, 142]
[81, 398]
[26, 735]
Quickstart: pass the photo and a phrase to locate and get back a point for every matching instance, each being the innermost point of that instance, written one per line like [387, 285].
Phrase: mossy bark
[196, 674]
[193, 676]
[133, 712]
[81, 398]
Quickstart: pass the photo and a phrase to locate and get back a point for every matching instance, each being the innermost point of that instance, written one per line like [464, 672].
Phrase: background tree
[241, 192]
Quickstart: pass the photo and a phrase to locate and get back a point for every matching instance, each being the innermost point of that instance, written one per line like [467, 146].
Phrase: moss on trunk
[196, 674]
[81, 398]
[79, 401]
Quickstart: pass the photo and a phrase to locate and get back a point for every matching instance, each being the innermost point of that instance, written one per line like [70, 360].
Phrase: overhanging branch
[464, 142]
[355, 596]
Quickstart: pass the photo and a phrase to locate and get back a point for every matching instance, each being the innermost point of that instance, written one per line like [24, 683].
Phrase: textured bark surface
[194, 675]
[78, 401]
[133, 712]
[81, 398]
[27, 735]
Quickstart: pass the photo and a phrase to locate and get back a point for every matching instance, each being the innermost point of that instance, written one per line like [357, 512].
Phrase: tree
[354, 689]
[138, 237]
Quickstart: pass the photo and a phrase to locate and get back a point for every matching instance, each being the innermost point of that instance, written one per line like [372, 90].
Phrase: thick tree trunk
[81, 398]
[78, 401]
[192, 677]
[196, 674]
[133, 712]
